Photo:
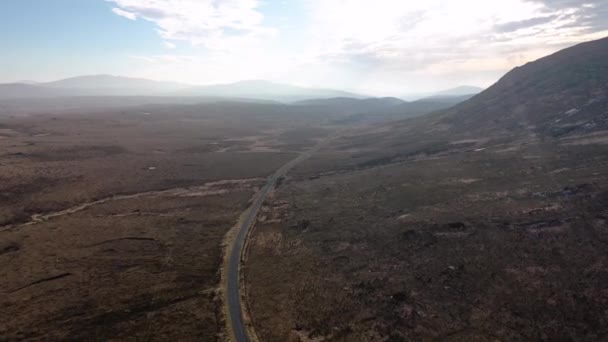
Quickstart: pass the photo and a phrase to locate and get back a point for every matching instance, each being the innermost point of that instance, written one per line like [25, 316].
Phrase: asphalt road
[239, 330]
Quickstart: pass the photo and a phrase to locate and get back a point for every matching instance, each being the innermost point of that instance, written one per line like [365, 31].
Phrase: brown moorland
[484, 222]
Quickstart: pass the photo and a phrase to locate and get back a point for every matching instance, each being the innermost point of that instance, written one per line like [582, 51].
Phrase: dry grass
[436, 242]
[113, 222]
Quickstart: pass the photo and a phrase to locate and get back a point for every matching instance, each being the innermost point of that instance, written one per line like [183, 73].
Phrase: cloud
[523, 24]
[213, 24]
[181, 59]
[169, 45]
[592, 15]
[398, 29]
[392, 39]
[125, 14]
[384, 46]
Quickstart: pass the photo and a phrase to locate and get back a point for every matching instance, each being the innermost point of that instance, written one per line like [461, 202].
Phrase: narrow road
[237, 324]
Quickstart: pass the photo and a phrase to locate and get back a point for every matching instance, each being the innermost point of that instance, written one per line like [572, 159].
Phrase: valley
[113, 222]
[284, 213]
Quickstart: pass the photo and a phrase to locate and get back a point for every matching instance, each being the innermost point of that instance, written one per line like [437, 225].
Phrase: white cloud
[169, 45]
[380, 46]
[128, 15]
[433, 30]
[168, 58]
[213, 24]
[412, 44]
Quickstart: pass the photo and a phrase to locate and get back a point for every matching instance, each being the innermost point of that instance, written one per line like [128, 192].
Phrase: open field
[112, 221]
[452, 239]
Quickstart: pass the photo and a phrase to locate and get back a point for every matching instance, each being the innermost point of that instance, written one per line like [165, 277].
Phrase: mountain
[107, 85]
[264, 90]
[96, 85]
[414, 108]
[510, 188]
[459, 91]
[564, 93]
[558, 99]
[381, 108]
[113, 85]
[432, 104]
[352, 109]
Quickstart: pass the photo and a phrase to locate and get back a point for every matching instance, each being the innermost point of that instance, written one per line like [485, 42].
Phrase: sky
[379, 47]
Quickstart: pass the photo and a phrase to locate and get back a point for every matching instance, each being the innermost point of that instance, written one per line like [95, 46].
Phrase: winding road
[233, 297]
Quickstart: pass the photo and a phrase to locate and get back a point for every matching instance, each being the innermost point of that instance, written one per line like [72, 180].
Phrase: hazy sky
[389, 47]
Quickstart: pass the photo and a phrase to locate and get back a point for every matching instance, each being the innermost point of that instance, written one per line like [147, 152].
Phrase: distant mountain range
[114, 85]
[97, 85]
[265, 90]
[101, 91]
[106, 85]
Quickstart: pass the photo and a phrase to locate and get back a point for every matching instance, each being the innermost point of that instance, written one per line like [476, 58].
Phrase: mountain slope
[563, 92]
[109, 81]
[556, 100]
[428, 105]
[265, 90]
[382, 108]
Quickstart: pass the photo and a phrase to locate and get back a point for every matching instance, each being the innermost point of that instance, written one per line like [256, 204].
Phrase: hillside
[561, 96]
[424, 106]
[382, 108]
[353, 105]
[564, 93]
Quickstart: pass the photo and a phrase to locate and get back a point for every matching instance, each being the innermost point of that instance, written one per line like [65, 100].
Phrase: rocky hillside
[560, 94]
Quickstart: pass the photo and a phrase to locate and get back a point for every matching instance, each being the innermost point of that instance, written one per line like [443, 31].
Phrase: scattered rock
[9, 248]
[456, 226]
[301, 225]
[400, 296]
[572, 111]
[577, 189]
[419, 237]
